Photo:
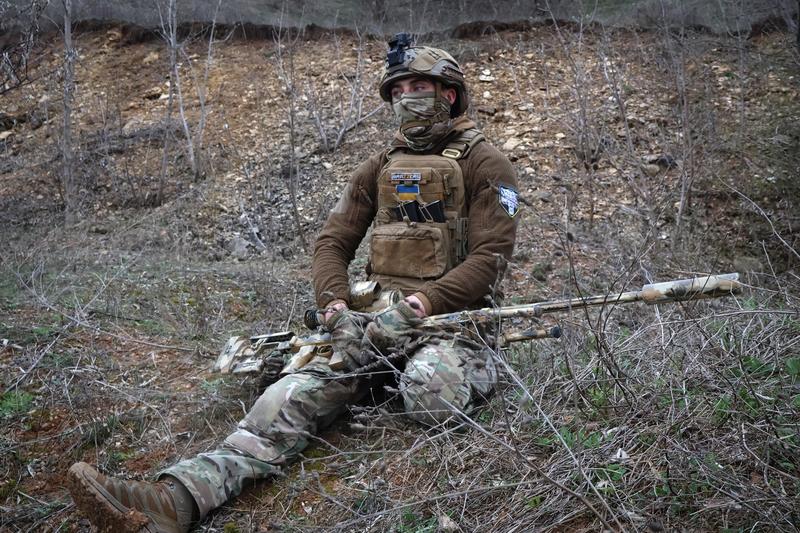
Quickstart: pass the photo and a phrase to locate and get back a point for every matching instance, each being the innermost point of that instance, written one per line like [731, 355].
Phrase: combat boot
[118, 506]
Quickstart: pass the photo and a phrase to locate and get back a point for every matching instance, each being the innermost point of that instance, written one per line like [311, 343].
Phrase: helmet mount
[397, 47]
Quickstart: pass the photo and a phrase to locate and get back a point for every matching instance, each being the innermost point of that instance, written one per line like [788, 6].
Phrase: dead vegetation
[642, 156]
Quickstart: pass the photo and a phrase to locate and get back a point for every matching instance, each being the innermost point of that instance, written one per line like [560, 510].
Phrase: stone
[487, 110]
[152, 57]
[6, 122]
[132, 126]
[540, 271]
[662, 160]
[447, 524]
[651, 170]
[510, 144]
[153, 93]
[35, 121]
[239, 247]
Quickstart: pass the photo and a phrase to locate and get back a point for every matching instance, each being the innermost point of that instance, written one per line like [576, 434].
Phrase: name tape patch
[406, 176]
[509, 200]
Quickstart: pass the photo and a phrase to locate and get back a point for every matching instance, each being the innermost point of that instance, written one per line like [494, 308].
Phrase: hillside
[642, 156]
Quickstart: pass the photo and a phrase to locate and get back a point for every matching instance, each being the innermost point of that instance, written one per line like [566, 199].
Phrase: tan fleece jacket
[491, 231]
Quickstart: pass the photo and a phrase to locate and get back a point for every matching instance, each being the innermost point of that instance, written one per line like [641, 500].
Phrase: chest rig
[420, 229]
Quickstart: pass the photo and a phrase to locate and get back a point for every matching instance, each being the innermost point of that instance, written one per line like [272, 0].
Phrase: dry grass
[680, 417]
[667, 418]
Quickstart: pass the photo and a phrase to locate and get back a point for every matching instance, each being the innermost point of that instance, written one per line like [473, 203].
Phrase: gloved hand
[392, 327]
[273, 364]
[347, 329]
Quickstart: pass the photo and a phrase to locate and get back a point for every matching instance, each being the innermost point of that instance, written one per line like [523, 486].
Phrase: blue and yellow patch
[407, 192]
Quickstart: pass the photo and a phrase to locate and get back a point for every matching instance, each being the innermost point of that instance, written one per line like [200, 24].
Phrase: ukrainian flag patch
[407, 192]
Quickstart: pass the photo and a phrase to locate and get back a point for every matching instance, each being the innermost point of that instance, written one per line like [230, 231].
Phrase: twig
[26, 373]
[766, 217]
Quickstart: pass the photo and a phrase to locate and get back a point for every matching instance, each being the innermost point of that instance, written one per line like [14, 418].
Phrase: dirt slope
[640, 156]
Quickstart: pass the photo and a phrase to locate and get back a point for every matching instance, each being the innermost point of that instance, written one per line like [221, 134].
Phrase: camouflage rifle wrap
[239, 356]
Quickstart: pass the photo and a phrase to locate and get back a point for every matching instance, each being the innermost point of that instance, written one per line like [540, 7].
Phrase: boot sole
[103, 510]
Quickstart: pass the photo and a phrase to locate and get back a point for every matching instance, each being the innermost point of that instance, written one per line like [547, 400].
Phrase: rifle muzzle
[692, 289]
[313, 319]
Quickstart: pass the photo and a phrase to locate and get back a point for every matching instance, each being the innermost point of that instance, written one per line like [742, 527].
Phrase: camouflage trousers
[440, 379]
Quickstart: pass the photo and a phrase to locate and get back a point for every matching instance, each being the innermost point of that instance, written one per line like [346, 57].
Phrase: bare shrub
[169, 31]
[70, 185]
[599, 132]
[333, 122]
[285, 43]
[194, 136]
[581, 113]
[17, 47]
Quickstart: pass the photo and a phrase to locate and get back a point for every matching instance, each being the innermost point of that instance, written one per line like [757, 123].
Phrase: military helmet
[405, 60]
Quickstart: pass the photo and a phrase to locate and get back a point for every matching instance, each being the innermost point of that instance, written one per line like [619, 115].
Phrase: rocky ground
[641, 156]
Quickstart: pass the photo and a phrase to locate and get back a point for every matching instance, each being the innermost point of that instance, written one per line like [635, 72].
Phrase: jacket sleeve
[346, 226]
[491, 233]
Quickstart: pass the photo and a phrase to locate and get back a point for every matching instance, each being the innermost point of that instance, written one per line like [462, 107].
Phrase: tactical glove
[392, 327]
[271, 372]
[347, 329]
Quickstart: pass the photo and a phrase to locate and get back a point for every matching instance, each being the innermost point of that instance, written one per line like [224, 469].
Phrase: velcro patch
[509, 200]
[407, 192]
[406, 176]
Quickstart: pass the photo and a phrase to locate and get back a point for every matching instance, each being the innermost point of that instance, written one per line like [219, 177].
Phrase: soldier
[441, 203]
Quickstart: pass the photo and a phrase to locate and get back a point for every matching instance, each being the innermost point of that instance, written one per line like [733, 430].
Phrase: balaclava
[424, 118]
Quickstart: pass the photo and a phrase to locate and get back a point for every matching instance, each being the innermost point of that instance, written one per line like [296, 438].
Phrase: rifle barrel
[655, 293]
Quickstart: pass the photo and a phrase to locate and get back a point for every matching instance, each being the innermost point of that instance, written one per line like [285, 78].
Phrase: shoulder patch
[509, 200]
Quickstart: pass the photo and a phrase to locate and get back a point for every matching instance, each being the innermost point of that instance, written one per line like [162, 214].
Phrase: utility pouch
[418, 251]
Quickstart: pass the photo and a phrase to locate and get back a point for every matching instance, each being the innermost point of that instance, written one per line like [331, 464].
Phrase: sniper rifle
[283, 353]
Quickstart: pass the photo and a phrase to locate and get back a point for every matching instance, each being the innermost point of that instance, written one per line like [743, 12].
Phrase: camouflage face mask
[424, 119]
